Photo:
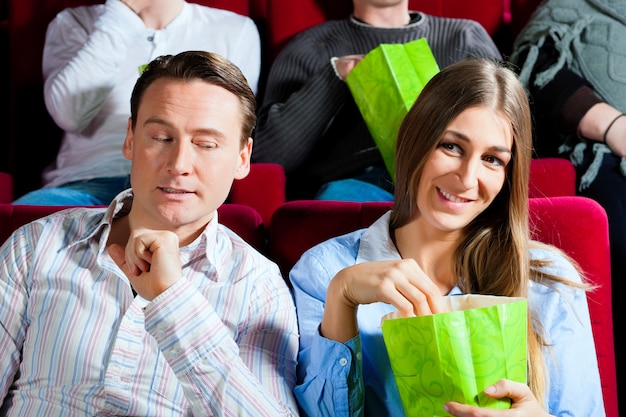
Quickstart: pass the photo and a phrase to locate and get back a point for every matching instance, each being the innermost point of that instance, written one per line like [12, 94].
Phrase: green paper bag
[385, 85]
[454, 356]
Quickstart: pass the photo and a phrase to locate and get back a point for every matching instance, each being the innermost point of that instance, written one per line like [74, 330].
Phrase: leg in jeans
[352, 190]
[96, 192]
[373, 184]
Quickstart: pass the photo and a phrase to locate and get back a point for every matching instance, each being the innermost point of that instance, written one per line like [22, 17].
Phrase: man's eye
[207, 145]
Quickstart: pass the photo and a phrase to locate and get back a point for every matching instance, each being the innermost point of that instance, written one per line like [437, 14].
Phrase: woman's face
[466, 171]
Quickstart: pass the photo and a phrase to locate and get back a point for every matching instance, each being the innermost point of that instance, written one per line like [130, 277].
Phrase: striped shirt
[74, 341]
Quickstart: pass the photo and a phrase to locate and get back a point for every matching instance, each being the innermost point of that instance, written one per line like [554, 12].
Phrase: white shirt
[91, 62]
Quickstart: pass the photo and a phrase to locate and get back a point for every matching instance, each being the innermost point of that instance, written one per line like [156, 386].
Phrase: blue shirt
[329, 373]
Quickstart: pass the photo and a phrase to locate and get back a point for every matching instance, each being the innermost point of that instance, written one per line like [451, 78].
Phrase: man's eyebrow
[156, 120]
[202, 131]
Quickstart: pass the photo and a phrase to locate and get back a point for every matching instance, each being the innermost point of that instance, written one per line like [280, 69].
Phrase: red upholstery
[243, 220]
[263, 189]
[258, 9]
[521, 10]
[577, 225]
[550, 177]
[6, 187]
[288, 17]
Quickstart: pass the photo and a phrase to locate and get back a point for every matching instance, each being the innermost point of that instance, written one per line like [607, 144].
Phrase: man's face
[185, 153]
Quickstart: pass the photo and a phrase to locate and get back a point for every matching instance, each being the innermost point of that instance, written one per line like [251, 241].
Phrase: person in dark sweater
[308, 121]
[569, 57]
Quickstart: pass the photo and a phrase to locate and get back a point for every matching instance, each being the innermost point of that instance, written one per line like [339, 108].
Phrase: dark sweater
[308, 121]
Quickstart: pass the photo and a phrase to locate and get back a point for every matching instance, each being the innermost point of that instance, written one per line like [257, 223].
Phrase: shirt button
[359, 356]
[150, 38]
[343, 361]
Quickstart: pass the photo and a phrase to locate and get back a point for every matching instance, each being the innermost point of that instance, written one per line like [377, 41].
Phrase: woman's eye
[452, 147]
[494, 160]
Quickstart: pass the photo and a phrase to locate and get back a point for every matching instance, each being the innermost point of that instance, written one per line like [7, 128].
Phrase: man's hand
[151, 261]
[345, 64]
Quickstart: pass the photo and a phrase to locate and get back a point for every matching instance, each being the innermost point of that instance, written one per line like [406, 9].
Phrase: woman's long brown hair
[494, 256]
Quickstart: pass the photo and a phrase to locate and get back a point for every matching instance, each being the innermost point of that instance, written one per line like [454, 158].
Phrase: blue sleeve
[575, 388]
[329, 381]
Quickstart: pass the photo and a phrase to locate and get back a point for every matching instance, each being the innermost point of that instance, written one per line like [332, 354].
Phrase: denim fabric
[352, 190]
[373, 184]
[95, 192]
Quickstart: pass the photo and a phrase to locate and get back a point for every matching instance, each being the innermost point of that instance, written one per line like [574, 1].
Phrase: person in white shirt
[91, 60]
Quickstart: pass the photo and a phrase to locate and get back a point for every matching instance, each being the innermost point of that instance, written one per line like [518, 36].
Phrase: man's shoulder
[459, 22]
[221, 15]
[320, 29]
[86, 14]
[64, 226]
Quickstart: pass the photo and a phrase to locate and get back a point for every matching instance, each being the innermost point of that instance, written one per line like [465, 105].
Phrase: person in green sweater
[308, 121]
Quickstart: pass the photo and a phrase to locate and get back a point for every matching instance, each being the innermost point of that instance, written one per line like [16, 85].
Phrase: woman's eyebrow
[465, 138]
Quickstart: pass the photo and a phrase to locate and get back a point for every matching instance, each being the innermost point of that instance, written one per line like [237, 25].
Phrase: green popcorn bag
[454, 356]
[385, 85]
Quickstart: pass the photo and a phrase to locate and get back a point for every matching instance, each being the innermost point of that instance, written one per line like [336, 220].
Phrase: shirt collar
[376, 243]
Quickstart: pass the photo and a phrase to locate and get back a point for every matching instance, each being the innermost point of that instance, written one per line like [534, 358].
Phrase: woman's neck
[432, 250]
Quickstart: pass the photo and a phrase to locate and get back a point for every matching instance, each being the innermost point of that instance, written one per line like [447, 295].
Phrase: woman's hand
[524, 402]
[401, 283]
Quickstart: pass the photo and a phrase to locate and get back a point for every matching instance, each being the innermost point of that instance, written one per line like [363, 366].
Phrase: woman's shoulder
[337, 245]
[552, 261]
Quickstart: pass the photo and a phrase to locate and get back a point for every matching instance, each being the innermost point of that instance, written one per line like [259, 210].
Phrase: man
[212, 329]
[309, 122]
[91, 59]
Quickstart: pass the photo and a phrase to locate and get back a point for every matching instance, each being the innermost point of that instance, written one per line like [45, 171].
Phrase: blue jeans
[94, 192]
[374, 184]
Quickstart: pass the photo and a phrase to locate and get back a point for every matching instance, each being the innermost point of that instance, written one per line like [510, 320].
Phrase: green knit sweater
[590, 38]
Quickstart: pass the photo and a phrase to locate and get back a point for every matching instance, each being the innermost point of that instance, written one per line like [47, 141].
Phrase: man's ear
[127, 147]
[244, 161]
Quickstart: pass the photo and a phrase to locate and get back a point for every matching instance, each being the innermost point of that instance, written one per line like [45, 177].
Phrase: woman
[459, 225]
